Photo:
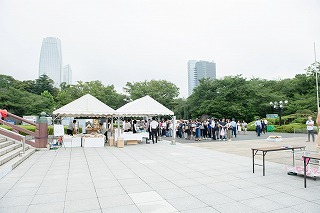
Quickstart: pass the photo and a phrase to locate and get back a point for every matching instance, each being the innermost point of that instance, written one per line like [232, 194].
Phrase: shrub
[300, 120]
[292, 128]
[33, 129]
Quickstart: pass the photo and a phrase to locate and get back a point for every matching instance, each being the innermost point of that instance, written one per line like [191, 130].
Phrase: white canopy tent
[85, 106]
[145, 106]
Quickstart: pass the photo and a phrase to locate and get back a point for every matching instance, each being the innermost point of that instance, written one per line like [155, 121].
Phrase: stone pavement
[152, 178]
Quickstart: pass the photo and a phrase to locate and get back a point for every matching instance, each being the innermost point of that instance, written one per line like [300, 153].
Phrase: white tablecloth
[70, 141]
[136, 136]
[93, 142]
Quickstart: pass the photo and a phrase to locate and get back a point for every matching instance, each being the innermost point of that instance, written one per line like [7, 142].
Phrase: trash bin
[270, 128]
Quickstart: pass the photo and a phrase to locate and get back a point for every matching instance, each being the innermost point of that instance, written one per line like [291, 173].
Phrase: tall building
[191, 76]
[50, 62]
[67, 74]
[198, 70]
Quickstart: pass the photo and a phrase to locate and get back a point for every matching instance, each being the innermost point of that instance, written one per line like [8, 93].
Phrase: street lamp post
[279, 106]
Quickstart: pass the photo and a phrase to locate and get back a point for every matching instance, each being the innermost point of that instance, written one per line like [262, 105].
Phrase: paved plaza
[155, 178]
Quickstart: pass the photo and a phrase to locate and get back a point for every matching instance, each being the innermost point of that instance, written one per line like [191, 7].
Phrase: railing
[16, 130]
[40, 135]
[15, 136]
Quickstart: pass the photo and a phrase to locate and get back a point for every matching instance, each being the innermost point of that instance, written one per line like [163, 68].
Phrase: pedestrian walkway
[152, 178]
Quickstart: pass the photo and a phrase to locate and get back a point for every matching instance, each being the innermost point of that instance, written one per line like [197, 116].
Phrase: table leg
[252, 161]
[305, 172]
[263, 165]
[293, 157]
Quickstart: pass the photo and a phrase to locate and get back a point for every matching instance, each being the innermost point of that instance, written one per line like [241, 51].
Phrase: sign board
[271, 115]
[58, 130]
[31, 118]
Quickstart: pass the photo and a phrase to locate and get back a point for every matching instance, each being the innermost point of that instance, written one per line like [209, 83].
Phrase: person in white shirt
[258, 125]
[310, 126]
[154, 130]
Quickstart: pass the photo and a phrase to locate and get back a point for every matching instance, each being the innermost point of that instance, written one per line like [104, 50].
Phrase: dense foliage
[241, 98]
[163, 91]
[230, 97]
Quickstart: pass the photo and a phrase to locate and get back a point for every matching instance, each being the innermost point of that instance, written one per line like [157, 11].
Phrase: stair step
[8, 156]
[10, 148]
[5, 144]
[6, 168]
[3, 140]
[18, 160]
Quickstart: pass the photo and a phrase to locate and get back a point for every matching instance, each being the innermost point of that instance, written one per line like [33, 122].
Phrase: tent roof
[145, 106]
[85, 106]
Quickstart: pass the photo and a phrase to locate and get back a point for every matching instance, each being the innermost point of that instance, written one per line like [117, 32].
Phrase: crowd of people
[215, 129]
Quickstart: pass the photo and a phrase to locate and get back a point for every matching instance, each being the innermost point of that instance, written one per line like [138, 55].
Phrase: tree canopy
[230, 97]
[161, 90]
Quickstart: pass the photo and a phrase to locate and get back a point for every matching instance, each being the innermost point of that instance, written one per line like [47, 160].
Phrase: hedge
[33, 129]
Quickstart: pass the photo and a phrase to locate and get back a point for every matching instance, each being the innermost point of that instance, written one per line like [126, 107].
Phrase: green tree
[51, 102]
[161, 90]
[44, 83]
[22, 102]
[106, 94]
[6, 81]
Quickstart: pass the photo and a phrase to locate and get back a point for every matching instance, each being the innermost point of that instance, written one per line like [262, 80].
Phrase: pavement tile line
[56, 152]
[21, 176]
[150, 167]
[95, 189]
[112, 172]
[65, 196]
[180, 162]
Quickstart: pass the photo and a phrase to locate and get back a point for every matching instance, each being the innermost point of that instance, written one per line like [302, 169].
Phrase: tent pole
[111, 127]
[118, 127]
[174, 130]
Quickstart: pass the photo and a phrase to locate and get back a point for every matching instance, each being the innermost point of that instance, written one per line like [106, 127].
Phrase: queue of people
[215, 129]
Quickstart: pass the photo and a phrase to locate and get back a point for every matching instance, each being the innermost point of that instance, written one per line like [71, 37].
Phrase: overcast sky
[117, 41]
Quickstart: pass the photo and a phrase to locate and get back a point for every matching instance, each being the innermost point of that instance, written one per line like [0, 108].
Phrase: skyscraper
[198, 70]
[67, 74]
[50, 62]
[191, 75]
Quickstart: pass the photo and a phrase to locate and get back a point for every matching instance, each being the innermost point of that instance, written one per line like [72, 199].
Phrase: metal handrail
[8, 132]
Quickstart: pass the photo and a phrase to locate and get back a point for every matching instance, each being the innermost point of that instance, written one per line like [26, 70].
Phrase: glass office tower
[50, 62]
[198, 70]
[67, 74]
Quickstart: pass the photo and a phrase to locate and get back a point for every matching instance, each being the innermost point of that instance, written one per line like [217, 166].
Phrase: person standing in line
[258, 127]
[193, 130]
[216, 132]
[229, 130]
[127, 126]
[154, 125]
[103, 130]
[222, 126]
[71, 127]
[134, 126]
[310, 128]
[263, 127]
[266, 124]
[239, 127]
[198, 133]
[245, 127]
[149, 130]
[234, 127]
[170, 128]
[209, 128]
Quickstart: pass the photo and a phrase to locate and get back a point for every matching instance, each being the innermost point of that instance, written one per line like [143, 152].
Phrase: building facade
[198, 70]
[50, 62]
[67, 74]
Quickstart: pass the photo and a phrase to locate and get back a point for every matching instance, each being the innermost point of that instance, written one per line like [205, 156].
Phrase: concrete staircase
[11, 154]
